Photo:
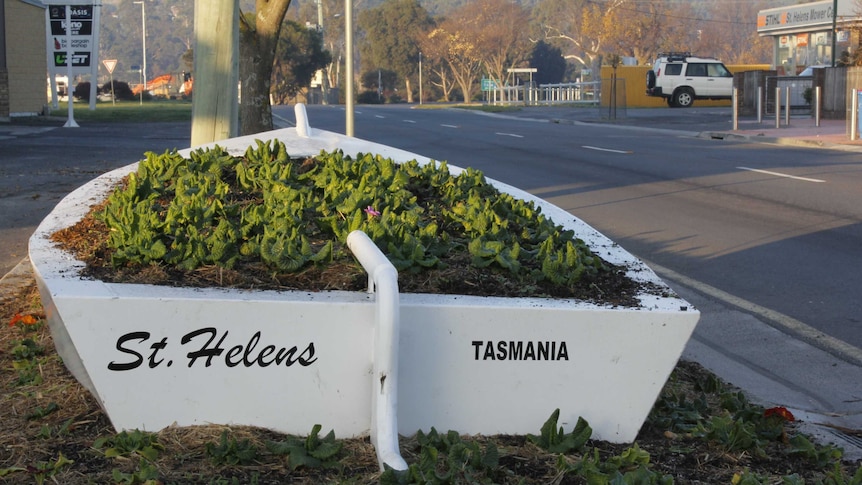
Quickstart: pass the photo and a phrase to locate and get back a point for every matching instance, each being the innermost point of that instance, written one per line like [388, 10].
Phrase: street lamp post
[348, 68]
[420, 77]
[324, 78]
[144, 43]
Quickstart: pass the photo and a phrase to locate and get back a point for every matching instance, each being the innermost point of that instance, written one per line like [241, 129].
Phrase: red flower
[23, 319]
[779, 411]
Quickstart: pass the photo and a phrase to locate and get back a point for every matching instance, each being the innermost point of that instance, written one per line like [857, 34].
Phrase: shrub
[121, 90]
[369, 97]
[82, 91]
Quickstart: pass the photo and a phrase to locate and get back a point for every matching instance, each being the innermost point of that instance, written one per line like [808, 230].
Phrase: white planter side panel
[156, 362]
[486, 370]
[477, 365]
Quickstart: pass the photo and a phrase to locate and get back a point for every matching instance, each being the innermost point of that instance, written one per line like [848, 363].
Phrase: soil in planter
[87, 240]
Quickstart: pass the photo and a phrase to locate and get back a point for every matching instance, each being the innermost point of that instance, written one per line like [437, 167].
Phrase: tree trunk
[257, 54]
[409, 91]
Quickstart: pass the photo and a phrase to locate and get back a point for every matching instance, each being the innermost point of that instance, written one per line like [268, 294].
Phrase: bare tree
[459, 53]
[563, 23]
[435, 54]
[498, 29]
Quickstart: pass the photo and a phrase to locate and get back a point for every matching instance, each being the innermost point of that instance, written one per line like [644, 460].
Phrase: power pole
[215, 106]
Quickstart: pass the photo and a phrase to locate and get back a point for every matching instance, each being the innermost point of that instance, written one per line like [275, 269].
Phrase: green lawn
[129, 111]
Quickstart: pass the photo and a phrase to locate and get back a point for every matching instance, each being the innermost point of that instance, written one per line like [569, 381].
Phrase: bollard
[735, 112]
[787, 106]
[854, 116]
[817, 106]
[759, 104]
[778, 107]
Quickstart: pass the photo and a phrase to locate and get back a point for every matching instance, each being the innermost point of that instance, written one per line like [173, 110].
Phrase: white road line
[379, 116]
[808, 333]
[605, 149]
[777, 174]
[510, 134]
[449, 126]
[408, 121]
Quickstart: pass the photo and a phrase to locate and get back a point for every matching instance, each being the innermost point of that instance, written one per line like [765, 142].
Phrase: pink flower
[371, 212]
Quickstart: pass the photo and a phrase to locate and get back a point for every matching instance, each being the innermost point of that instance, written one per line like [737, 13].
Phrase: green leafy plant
[40, 412]
[446, 458]
[311, 452]
[216, 209]
[836, 476]
[820, 456]
[26, 349]
[130, 443]
[630, 467]
[557, 441]
[146, 474]
[231, 452]
[47, 469]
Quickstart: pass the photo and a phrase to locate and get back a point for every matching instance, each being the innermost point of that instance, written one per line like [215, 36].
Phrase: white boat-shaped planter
[154, 356]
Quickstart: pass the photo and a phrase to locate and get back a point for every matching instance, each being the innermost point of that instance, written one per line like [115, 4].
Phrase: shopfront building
[802, 34]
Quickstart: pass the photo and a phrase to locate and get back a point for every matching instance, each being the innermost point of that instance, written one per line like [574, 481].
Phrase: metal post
[70, 120]
[759, 104]
[834, 29]
[324, 75]
[144, 42]
[348, 70]
[817, 106]
[420, 78]
[787, 106]
[854, 116]
[778, 107]
[735, 112]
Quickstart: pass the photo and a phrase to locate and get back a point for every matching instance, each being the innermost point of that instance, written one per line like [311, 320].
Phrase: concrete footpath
[713, 123]
[776, 360]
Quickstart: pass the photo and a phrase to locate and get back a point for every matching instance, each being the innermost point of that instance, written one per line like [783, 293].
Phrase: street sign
[110, 64]
[488, 84]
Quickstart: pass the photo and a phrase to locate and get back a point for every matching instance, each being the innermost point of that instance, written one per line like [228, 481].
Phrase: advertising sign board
[79, 28]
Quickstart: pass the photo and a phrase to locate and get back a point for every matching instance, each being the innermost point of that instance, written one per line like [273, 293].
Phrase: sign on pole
[110, 64]
[73, 44]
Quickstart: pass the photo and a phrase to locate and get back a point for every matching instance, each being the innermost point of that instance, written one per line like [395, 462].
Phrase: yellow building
[23, 58]
[633, 80]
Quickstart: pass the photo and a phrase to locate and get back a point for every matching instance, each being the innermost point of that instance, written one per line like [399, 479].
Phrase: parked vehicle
[681, 78]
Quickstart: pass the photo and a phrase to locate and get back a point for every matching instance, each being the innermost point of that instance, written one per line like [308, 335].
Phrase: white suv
[681, 78]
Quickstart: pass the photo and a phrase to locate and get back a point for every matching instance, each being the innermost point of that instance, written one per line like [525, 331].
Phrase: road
[41, 163]
[776, 226]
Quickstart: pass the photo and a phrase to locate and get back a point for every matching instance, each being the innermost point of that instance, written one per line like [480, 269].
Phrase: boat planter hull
[157, 356]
